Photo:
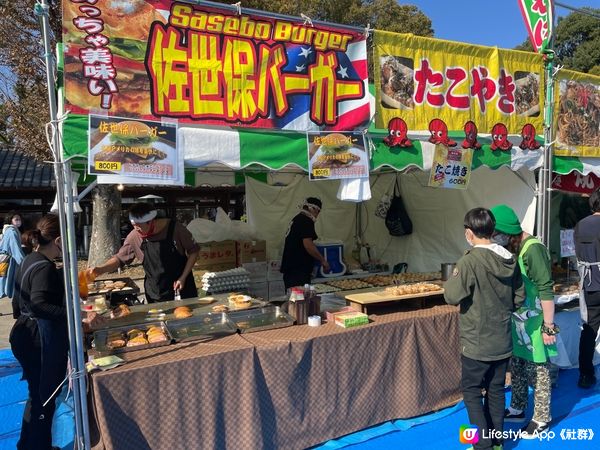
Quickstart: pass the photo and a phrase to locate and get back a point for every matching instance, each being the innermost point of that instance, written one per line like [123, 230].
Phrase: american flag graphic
[352, 65]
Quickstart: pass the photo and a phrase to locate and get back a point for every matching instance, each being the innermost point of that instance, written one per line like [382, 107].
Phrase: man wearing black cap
[299, 251]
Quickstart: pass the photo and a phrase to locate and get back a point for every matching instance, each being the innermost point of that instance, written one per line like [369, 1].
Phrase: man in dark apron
[166, 249]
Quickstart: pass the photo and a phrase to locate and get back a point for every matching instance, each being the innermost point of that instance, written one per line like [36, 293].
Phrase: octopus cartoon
[397, 134]
[500, 138]
[471, 136]
[439, 133]
[528, 135]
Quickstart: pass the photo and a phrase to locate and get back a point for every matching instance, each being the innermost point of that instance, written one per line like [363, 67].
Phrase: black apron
[163, 265]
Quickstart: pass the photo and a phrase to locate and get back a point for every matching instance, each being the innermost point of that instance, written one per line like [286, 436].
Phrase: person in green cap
[533, 328]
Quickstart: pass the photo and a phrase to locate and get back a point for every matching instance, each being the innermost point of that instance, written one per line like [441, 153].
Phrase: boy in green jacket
[488, 287]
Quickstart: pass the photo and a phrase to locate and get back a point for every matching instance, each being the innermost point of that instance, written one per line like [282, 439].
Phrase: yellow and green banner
[441, 86]
[577, 114]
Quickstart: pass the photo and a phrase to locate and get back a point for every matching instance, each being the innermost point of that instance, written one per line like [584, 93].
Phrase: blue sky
[484, 22]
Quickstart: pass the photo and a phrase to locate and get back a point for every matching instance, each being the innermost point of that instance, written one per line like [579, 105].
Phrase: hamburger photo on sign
[131, 147]
[336, 155]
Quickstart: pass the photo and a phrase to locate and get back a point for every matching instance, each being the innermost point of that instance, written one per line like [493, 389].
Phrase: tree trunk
[106, 224]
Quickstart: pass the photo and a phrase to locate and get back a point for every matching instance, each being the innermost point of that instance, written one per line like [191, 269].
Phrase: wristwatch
[550, 331]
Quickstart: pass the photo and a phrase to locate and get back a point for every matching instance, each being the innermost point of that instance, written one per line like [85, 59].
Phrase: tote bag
[397, 220]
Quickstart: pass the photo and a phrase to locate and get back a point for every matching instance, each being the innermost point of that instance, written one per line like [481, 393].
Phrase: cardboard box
[259, 290]
[216, 256]
[273, 273]
[257, 271]
[276, 289]
[251, 252]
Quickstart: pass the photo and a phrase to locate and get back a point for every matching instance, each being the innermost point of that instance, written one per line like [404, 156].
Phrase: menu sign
[133, 148]
[451, 168]
[333, 156]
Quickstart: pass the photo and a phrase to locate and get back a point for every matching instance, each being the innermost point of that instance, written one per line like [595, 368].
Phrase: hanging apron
[585, 271]
[163, 265]
[528, 342]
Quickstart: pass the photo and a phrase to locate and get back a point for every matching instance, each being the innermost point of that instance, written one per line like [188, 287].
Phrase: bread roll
[182, 312]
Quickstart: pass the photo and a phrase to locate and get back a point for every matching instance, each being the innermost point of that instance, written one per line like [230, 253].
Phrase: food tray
[267, 318]
[202, 327]
[101, 337]
[123, 295]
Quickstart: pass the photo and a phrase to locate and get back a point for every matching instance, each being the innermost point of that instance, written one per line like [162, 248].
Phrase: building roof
[20, 171]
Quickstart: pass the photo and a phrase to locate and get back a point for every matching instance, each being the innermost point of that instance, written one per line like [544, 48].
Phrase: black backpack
[397, 221]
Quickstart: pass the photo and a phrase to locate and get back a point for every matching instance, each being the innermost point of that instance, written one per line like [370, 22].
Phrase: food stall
[225, 385]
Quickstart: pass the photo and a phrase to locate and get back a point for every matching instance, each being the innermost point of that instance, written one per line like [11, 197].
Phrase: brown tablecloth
[287, 388]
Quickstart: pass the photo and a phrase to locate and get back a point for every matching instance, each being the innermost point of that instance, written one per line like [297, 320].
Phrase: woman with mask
[11, 246]
[39, 337]
[533, 328]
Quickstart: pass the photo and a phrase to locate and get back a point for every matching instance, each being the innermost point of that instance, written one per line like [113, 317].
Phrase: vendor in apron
[587, 249]
[166, 249]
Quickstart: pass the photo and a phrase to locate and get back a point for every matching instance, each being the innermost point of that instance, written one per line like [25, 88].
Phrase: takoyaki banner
[577, 114]
[443, 87]
[206, 65]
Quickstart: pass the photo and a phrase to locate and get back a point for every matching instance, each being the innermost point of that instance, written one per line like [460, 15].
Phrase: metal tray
[267, 318]
[201, 327]
[101, 337]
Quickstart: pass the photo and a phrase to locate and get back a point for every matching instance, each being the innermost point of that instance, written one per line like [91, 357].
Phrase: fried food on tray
[115, 340]
[156, 337]
[220, 308]
[411, 289]
[120, 311]
[139, 340]
[134, 333]
[182, 312]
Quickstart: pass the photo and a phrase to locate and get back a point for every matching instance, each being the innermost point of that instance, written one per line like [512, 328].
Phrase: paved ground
[6, 321]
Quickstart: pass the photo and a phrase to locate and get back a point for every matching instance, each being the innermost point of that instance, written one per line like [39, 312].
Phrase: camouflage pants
[524, 373]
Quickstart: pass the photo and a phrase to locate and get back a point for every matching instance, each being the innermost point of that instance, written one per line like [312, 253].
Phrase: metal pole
[67, 229]
[548, 145]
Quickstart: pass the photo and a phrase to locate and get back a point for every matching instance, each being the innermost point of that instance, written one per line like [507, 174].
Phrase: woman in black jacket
[39, 337]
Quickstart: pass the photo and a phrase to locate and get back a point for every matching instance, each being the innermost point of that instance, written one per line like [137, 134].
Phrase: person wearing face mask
[533, 328]
[39, 338]
[487, 286]
[299, 250]
[11, 245]
[166, 249]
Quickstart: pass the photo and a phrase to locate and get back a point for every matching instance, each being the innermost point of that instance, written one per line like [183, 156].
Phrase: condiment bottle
[177, 295]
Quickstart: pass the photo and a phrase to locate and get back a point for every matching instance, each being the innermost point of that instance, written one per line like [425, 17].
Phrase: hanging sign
[538, 17]
[576, 182]
[140, 149]
[333, 156]
[457, 91]
[577, 114]
[567, 243]
[451, 168]
[209, 65]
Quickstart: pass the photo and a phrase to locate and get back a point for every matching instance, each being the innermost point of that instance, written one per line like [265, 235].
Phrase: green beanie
[507, 221]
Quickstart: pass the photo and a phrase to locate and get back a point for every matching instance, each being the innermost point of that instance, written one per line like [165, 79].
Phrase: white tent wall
[437, 214]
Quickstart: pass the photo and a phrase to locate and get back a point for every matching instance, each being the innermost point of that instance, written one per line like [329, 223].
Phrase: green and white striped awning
[243, 148]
